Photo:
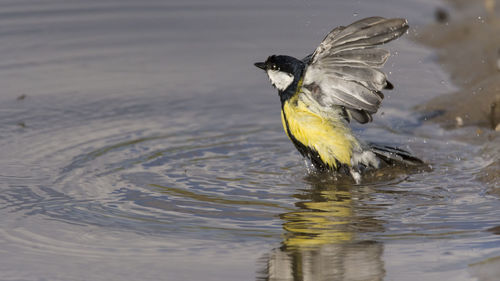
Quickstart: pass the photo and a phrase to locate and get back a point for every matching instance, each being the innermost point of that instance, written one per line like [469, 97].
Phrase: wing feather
[360, 57]
[345, 68]
[343, 97]
[372, 78]
[365, 33]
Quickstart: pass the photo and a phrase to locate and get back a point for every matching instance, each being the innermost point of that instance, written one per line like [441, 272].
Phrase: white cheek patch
[280, 80]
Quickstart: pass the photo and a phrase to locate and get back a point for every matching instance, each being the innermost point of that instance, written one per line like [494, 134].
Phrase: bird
[340, 81]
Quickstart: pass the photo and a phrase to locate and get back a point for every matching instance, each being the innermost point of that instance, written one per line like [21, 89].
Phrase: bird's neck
[294, 87]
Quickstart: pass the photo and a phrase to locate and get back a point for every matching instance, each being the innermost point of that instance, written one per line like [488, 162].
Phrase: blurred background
[139, 142]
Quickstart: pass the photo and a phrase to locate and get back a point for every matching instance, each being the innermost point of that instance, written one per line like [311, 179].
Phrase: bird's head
[282, 70]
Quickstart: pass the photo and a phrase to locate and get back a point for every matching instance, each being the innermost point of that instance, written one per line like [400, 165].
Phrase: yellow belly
[330, 138]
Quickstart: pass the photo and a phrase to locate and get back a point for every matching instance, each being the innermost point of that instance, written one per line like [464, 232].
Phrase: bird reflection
[321, 240]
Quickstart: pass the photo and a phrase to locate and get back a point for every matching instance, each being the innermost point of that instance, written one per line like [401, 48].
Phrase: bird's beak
[261, 65]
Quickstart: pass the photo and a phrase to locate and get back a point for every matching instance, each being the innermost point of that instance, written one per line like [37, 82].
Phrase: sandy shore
[466, 36]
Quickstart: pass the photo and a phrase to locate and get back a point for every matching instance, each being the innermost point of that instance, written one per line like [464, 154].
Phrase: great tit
[340, 81]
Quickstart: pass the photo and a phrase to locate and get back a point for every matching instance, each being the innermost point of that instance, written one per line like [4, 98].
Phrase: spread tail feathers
[395, 156]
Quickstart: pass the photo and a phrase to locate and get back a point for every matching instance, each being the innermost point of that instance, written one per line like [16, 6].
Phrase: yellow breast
[331, 138]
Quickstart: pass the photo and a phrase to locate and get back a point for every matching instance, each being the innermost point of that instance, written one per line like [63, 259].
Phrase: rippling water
[139, 143]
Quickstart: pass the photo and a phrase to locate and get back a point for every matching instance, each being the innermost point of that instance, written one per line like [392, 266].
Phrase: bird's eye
[274, 67]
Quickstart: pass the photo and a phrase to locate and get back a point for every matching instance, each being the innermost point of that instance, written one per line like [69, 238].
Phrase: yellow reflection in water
[323, 221]
[319, 241]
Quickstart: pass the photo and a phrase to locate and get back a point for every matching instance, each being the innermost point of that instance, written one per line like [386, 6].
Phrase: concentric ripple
[157, 172]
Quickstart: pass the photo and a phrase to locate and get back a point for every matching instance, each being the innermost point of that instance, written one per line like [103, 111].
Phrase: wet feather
[345, 67]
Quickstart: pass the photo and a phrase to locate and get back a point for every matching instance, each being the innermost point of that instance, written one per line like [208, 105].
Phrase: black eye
[274, 67]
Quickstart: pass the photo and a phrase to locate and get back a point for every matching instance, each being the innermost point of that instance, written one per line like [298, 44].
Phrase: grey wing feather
[346, 66]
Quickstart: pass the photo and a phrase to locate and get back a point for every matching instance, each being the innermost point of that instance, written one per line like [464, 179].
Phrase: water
[139, 142]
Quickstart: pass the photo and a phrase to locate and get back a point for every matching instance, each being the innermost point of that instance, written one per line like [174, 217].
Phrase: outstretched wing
[345, 68]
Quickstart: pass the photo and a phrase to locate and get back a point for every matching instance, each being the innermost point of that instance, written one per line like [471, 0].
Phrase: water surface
[139, 142]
